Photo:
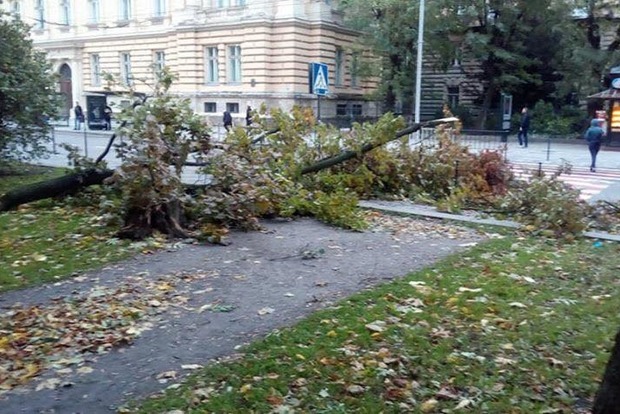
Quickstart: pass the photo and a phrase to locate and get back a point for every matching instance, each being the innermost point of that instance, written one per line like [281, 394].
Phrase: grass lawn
[47, 241]
[511, 326]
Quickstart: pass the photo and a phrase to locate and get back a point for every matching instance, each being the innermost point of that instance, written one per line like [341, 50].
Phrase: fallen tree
[246, 180]
[55, 187]
[74, 182]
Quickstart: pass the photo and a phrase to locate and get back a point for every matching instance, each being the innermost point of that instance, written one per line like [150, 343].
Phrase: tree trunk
[165, 218]
[68, 184]
[607, 399]
[486, 106]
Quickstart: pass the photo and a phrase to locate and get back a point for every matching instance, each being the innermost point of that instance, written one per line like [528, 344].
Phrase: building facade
[228, 54]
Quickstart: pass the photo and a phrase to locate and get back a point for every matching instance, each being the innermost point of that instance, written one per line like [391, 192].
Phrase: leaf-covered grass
[46, 241]
[512, 326]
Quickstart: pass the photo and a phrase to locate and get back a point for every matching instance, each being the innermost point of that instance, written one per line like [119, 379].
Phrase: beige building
[228, 54]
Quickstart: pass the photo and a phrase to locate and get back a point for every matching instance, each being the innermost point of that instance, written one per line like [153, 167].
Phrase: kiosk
[95, 107]
[611, 97]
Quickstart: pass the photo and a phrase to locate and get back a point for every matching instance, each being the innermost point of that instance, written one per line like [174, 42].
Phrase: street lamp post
[418, 74]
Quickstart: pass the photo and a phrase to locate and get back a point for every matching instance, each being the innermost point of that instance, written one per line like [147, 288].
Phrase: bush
[566, 121]
[547, 206]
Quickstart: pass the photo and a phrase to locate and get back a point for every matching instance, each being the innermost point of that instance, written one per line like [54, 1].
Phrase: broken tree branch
[349, 154]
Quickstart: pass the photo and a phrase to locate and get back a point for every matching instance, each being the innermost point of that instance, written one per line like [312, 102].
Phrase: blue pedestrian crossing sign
[318, 79]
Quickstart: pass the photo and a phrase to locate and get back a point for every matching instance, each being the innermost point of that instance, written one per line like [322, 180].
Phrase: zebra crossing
[588, 183]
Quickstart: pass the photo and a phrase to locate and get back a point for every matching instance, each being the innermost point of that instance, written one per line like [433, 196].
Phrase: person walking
[107, 117]
[594, 136]
[524, 126]
[248, 116]
[227, 120]
[79, 117]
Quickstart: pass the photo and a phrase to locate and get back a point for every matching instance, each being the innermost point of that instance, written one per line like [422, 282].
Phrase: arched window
[65, 87]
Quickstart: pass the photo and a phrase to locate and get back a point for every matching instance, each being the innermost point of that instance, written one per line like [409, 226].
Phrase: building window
[212, 65]
[16, 10]
[65, 12]
[341, 109]
[39, 12]
[93, 11]
[126, 68]
[95, 70]
[211, 107]
[125, 10]
[232, 107]
[234, 64]
[159, 62]
[458, 56]
[220, 4]
[354, 68]
[338, 69]
[356, 110]
[159, 8]
[453, 93]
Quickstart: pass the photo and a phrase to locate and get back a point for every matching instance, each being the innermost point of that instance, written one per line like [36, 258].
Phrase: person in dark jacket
[107, 117]
[227, 120]
[248, 116]
[594, 136]
[79, 116]
[524, 126]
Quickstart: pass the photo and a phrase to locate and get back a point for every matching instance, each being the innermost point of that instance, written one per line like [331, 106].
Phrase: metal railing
[474, 140]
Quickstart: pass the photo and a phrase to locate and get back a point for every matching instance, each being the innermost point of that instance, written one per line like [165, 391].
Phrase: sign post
[318, 83]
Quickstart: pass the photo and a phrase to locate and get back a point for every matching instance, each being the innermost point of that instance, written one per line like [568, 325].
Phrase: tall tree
[514, 43]
[27, 98]
[590, 47]
[390, 28]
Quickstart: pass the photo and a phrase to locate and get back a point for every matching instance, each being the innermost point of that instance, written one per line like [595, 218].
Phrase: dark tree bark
[56, 187]
[164, 218]
[607, 399]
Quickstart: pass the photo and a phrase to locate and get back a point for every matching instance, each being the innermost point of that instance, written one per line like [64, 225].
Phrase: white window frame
[222, 4]
[354, 68]
[93, 10]
[65, 12]
[95, 69]
[212, 66]
[125, 12]
[159, 62]
[159, 8]
[210, 103]
[232, 107]
[126, 76]
[234, 64]
[39, 11]
[339, 66]
[16, 9]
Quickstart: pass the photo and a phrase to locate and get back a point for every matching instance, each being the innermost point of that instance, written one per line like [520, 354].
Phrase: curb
[426, 211]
